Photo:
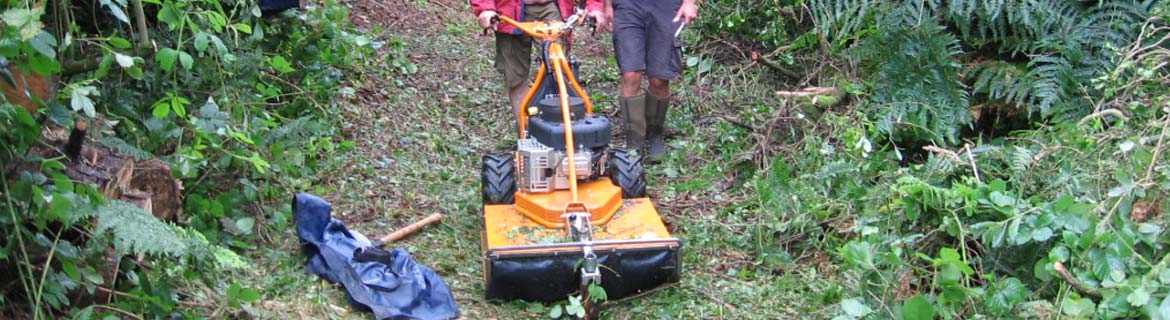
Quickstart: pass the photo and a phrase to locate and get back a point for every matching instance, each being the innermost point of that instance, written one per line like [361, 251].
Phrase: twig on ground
[1102, 114]
[940, 151]
[123, 312]
[1068, 277]
[974, 167]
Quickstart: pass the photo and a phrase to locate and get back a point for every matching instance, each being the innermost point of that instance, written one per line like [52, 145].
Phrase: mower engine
[544, 164]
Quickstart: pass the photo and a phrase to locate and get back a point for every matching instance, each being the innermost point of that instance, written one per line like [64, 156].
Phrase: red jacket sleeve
[593, 5]
[484, 5]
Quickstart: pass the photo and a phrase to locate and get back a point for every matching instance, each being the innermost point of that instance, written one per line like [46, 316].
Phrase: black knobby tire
[626, 171]
[498, 178]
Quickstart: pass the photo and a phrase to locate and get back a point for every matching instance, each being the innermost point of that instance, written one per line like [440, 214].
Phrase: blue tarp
[388, 283]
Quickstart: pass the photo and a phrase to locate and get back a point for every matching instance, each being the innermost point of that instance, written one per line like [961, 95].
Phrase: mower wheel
[499, 178]
[625, 169]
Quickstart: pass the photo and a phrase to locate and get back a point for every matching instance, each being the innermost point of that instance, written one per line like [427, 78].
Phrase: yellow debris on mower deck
[526, 260]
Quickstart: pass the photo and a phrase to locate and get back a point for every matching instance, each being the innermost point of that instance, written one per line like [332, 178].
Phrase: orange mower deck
[524, 259]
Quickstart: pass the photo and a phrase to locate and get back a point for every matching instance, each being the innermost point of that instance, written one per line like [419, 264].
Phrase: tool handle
[412, 228]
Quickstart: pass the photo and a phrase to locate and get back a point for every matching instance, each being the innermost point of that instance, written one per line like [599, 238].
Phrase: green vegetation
[239, 105]
[962, 159]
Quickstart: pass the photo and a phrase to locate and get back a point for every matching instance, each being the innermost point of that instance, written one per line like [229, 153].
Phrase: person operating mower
[513, 47]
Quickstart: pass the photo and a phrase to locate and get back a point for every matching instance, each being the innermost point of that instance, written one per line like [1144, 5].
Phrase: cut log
[147, 183]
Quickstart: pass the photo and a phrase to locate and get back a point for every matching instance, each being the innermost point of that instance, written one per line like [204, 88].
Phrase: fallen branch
[772, 64]
[1102, 114]
[1080, 287]
[974, 167]
[412, 228]
[940, 151]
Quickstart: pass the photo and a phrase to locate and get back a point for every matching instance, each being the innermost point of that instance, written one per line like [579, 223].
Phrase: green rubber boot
[634, 114]
[655, 126]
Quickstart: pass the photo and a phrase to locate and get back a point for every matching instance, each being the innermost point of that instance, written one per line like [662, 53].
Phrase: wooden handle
[412, 228]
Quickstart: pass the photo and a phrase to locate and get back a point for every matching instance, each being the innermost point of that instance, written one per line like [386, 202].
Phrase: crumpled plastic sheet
[388, 283]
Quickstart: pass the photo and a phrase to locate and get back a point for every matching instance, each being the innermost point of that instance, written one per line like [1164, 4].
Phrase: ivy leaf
[245, 225]
[43, 43]
[1139, 297]
[858, 253]
[80, 101]
[166, 58]
[917, 308]
[575, 310]
[555, 312]
[1005, 295]
[854, 308]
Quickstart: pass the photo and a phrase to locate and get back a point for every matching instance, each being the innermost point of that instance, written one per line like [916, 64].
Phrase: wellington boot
[634, 115]
[655, 126]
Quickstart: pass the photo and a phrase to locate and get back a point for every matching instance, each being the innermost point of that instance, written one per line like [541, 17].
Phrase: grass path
[418, 141]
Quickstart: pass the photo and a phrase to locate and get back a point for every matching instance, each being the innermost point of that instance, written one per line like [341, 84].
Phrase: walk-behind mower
[565, 210]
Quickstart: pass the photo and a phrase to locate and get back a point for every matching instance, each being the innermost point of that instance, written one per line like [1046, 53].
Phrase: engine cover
[589, 132]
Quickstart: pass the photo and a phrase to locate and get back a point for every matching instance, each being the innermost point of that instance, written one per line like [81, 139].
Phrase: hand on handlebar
[598, 19]
[488, 20]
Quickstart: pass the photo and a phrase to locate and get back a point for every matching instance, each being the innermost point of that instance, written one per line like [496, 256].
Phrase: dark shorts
[643, 37]
[514, 51]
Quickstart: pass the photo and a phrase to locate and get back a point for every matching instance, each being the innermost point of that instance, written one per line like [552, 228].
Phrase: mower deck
[525, 260]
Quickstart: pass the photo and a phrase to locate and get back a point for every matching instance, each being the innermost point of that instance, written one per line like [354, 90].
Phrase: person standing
[646, 43]
[513, 47]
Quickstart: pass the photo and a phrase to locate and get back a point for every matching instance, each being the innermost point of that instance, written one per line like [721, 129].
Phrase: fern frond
[121, 147]
[136, 231]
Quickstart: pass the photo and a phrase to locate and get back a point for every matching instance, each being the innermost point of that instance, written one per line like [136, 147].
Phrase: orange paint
[635, 219]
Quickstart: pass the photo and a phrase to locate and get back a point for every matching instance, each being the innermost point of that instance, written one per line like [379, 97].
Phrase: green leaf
[170, 15]
[245, 224]
[1077, 307]
[854, 308]
[201, 41]
[161, 110]
[555, 312]
[71, 271]
[281, 65]
[166, 58]
[186, 60]
[243, 28]
[116, 10]
[118, 42]
[83, 314]
[19, 16]
[124, 60]
[1005, 295]
[575, 310]
[79, 100]
[917, 308]
[1001, 200]
[43, 65]
[1139, 297]
[858, 253]
[179, 104]
[43, 43]
[1042, 234]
